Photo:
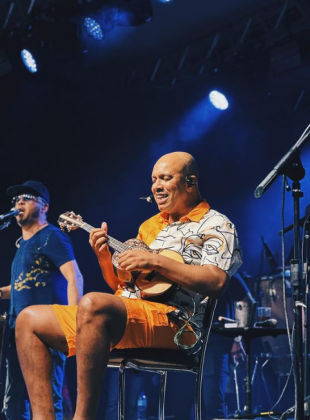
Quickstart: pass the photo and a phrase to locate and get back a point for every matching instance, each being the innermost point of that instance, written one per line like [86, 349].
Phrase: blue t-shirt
[35, 275]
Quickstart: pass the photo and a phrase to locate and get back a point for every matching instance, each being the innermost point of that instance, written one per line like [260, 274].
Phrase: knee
[92, 305]
[25, 321]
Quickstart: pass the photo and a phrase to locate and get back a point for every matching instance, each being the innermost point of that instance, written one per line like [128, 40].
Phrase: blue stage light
[29, 61]
[218, 100]
[93, 29]
[165, 1]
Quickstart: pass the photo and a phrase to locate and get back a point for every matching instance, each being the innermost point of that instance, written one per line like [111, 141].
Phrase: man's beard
[30, 219]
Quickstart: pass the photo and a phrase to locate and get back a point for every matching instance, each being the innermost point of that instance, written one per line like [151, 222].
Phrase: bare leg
[37, 329]
[101, 322]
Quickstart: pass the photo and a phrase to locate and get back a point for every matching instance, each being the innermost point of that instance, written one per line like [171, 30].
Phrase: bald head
[175, 184]
[181, 161]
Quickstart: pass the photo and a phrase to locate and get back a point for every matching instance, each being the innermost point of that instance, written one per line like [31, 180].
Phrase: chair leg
[121, 392]
[198, 395]
[162, 395]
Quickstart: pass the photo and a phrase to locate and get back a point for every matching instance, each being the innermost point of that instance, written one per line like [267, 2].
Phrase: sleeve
[221, 245]
[60, 249]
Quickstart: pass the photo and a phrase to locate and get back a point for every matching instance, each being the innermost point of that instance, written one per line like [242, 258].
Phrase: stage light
[29, 61]
[165, 1]
[218, 100]
[93, 29]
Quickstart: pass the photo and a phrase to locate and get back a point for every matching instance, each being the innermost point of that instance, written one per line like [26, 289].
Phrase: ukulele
[149, 283]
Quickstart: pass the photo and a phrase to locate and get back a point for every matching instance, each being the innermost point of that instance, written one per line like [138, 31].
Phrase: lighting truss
[260, 32]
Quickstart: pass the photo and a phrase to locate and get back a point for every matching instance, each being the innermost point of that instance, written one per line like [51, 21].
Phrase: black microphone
[269, 323]
[149, 199]
[12, 213]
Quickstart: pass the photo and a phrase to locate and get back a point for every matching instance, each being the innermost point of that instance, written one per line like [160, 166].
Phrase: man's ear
[191, 180]
[44, 208]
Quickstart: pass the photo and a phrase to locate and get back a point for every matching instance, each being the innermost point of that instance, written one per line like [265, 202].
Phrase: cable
[290, 339]
[190, 327]
[282, 393]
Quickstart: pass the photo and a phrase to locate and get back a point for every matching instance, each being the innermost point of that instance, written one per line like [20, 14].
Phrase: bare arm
[6, 292]
[98, 241]
[72, 274]
[206, 280]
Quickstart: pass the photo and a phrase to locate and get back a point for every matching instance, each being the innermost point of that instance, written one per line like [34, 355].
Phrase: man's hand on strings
[99, 242]
[136, 260]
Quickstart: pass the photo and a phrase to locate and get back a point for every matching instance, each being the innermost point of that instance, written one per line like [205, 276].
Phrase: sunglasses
[27, 197]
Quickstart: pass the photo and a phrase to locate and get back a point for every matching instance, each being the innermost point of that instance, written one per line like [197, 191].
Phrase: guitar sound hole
[150, 275]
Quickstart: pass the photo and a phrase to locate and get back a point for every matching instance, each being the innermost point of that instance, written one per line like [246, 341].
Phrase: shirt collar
[194, 215]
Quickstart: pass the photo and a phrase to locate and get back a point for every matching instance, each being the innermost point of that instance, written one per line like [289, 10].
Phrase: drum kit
[275, 291]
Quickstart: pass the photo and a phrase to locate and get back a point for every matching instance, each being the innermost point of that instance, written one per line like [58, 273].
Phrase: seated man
[205, 239]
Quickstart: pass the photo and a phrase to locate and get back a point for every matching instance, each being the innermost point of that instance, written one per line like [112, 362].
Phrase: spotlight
[165, 1]
[29, 61]
[218, 100]
[93, 29]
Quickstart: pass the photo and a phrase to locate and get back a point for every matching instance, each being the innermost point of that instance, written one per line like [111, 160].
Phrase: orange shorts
[147, 325]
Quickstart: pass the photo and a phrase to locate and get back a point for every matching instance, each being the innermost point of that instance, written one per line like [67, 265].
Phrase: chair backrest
[207, 323]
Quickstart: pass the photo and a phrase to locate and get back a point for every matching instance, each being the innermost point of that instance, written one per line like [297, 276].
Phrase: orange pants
[147, 325]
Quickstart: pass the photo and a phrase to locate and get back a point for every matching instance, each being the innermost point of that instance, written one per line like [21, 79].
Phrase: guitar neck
[113, 243]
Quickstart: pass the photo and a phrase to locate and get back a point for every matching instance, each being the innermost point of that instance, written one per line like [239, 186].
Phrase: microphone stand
[306, 314]
[291, 166]
[5, 224]
[296, 281]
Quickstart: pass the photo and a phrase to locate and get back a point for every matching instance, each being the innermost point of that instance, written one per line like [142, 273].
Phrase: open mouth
[161, 198]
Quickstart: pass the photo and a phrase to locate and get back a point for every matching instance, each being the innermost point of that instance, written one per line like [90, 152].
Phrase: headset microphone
[149, 199]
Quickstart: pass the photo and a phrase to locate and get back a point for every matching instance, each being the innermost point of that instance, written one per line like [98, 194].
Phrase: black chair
[161, 361]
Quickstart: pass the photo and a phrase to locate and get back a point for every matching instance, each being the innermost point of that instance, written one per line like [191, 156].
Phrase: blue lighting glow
[218, 100]
[93, 29]
[29, 61]
[165, 1]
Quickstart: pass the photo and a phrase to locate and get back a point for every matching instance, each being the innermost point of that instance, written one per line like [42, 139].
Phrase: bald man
[186, 225]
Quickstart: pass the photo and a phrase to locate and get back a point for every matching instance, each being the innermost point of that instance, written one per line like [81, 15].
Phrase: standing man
[208, 244]
[44, 271]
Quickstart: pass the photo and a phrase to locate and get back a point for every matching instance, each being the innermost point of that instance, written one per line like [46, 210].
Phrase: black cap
[31, 187]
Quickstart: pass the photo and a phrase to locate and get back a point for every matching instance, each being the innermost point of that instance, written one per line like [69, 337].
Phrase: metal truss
[283, 22]
[16, 13]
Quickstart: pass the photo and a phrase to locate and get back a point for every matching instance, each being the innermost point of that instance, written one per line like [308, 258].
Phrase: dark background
[94, 119]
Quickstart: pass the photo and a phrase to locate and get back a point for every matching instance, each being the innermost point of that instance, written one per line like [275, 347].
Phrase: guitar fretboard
[113, 243]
